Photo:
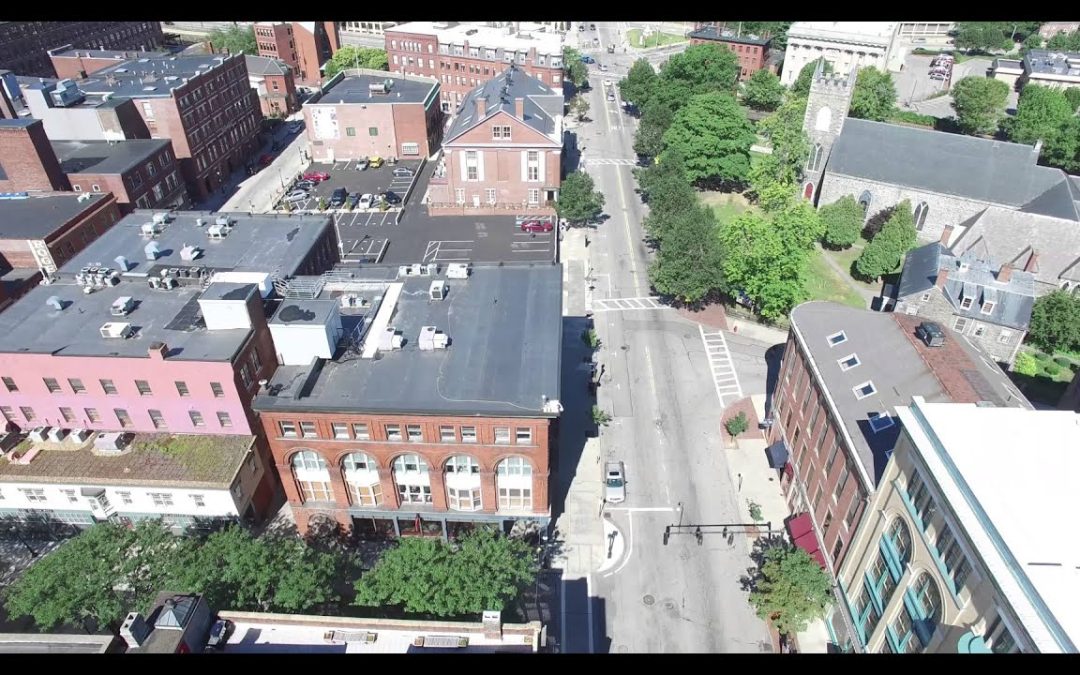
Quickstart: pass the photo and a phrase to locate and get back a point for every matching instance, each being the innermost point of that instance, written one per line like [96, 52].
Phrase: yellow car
[375, 161]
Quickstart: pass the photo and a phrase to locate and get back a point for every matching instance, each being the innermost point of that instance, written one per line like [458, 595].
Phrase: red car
[537, 226]
[316, 176]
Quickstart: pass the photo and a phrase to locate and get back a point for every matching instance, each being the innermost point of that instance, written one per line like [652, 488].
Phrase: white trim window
[534, 196]
[960, 324]
[532, 166]
[412, 479]
[463, 483]
[988, 307]
[513, 477]
[837, 338]
[459, 196]
[341, 430]
[1005, 336]
[410, 149]
[362, 479]
[472, 165]
[491, 195]
[880, 421]
[965, 303]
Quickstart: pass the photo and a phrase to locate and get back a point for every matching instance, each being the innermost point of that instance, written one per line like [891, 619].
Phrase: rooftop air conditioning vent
[432, 338]
[190, 253]
[150, 229]
[161, 218]
[169, 283]
[40, 434]
[122, 306]
[438, 289]
[116, 329]
[457, 271]
[224, 221]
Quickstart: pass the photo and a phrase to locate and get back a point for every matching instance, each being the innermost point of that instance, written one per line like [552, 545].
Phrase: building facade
[363, 113]
[274, 82]
[752, 51]
[76, 64]
[934, 568]
[845, 44]
[503, 151]
[24, 45]
[467, 55]
[27, 162]
[142, 174]
[304, 45]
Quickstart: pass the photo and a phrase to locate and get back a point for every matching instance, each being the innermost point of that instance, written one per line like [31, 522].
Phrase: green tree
[982, 36]
[1062, 41]
[979, 103]
[482, 570]
[1046, 114]
[1072, 95]
[1033, 41]
[763, 91]
[799, 224]
[668, 195]
[579, 105]
[579, 201]
[349, 57]
[774, 178]
[792, 589]
[874, 97]
[704, 68]
[688, 265]
[737, 424]
[843, 221]
[713, 136]
[885, 251]
[801, 85]
[575, 70]
[758, 262]
[639, 83]
[1055, 322]
[234, 40]
[774, 31]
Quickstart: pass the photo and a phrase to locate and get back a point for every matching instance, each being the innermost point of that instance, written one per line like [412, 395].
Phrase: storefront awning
[801, 529]
[778, 454]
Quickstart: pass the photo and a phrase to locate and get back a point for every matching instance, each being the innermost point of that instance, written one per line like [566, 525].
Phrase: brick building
[398, 410]
[752, 51]
[843, 372]
[463, 56]
[273, 80]
[143, 174]
[503, 151]
[40, 232]
[27, 162]
[304, 45]
[204, 104]
[76, 64]
[91, 117]
[24, 44]
[360, 113]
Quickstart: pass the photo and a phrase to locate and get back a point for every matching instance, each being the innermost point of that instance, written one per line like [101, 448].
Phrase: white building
[178, 478]
[845, 44]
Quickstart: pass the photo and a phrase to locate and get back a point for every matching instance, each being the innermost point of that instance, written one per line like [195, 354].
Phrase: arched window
[865, 200]
[824, 119]
[312, 476]
[309, 460]
[362, 479]
[900, 537]
[920, 215]
[412, 479]
[814, 161]
[514, 482]
[929, 597]
[463, 483]
[914, 625]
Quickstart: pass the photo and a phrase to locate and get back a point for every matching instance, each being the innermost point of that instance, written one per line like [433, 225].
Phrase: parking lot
[369, 181]
[916, 90]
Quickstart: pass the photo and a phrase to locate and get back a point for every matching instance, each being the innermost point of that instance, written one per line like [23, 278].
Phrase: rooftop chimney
[1032, 263]
[942, 277]
[1004, 274]
[158, 351]
[519, 108]
[946, 235]
[134, 631]
[481, 107]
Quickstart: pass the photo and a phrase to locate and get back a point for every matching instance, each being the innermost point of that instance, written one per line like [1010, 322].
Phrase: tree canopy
[874, 97]
[843, 221]
[704, 68]
[885, 251]
[1046, 114]
[983, 35]
[638, 85]
[575, 70]
[979, 103]
[234, 40]
[481, 571]
[713, 136]
[801, 85]
[350, 56]
[792, 589]
[1055, 322]
[687, 266]
[758, 261]
[775, 177]
[763, 91]
[1065, 42]
[579, 201]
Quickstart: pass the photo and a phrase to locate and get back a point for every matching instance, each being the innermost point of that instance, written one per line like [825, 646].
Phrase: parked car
[611, 96]
[375, 161]
[586, 59]
[361, 164]
[316, 176]
[219, 633]
[338, 197]
[610, 48]
[403, 172]
[304, 185]
[614, 483]
[537, 226]
[366, 200]
[391, 197]
[603, 68]
[354, 199]
[296, 197]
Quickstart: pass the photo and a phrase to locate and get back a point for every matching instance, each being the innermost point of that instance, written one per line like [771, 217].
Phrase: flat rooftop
[259, 245]
[1045, 62]
[479, 35]
[872, 32]
[1009, 478]
[505, 330]
[45, 643]
[148, 77]
[105, 157]
[723, 35]
[38, 215]
[118, 54]
[179, 460]
[898, 365]
[356, 89]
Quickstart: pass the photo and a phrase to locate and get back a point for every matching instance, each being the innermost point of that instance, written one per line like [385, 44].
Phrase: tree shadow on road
[749, 581]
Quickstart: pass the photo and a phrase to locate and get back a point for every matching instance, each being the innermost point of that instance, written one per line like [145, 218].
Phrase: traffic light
[667, 533]
[699, 536]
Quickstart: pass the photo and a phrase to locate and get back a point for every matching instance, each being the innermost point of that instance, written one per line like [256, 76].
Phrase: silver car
[614, 483]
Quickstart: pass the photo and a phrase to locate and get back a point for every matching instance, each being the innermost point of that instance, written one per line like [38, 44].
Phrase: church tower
[826, 108]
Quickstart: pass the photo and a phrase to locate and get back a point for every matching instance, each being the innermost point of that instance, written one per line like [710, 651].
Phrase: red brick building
[143, 174]
[24, 45]
[401, 430]
[364, 113]
[273, 81]
[27, 162]
[463, 56]
[752, 51]
[843, 373]
[503, 152]
[76, 64]
[304, 45]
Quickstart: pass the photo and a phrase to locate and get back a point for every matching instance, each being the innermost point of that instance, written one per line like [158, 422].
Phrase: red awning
[799, 525]
[801, 529]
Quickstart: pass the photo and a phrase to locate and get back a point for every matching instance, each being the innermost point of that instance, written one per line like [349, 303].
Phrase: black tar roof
[505, 329]
[355, 89]
[118, 54]
[714, 33]
[39, 215]
[105, 157]
[147, 78]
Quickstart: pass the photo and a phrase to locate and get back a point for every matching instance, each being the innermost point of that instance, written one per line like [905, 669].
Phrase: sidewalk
[756, 331]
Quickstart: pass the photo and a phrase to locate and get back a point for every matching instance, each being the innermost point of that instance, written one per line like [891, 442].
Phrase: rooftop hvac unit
[80, 279]
[152, 250]
[169, 283]
[457, 271]
[391, 339]
[190, 252]
[113, 279]
[122, 263]
[122, 306]
[40, 434]
[431, 339]
[417, 269]
[80, 435]
[150, 229]
[199, 222]
[430, 269]
[161, 218]
[378, 88]
[56, 434]
[116, 329]
[224, 221]
[54, 302]
[438, 290]
[217, 232]
[110, 441]
[154, 282]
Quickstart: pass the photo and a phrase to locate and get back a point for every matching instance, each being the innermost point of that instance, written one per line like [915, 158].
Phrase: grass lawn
[823, 283]
[846, 258]
[633, 36]
[725, 205]
[1051, 375]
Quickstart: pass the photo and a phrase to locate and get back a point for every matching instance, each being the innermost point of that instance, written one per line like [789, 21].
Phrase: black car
[354, 198]
[931, 333]
[391, 197]
[338, 198]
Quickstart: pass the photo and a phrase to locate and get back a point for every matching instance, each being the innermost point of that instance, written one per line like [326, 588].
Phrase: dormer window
[965, 303]
[836, 339]
[988, 307]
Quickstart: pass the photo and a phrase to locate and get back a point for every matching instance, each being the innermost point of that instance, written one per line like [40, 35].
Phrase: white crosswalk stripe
[624, 304]
[724, 377]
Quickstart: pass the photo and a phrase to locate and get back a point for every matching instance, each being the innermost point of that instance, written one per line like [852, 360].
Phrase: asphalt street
[658, 388]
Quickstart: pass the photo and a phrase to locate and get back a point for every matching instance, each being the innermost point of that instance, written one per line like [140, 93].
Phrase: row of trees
[989, 36]
[110, 569]
[356, 57]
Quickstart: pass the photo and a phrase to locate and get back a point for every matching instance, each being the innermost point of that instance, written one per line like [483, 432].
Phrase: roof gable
[521, 133]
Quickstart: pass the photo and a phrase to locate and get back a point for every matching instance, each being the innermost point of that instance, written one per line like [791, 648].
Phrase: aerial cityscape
[560, 337]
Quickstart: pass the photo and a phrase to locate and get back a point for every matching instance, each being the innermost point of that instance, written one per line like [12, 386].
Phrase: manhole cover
[648, 600]
[622, 649]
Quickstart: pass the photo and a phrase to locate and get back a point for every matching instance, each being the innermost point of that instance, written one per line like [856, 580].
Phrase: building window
[151, 169]
[157, 419]
[361, 432]
[95, 188]
[863, 390]
[534, 196]
[52, 385]
[224, 420]
[341, 430]
[837, 547]
[848, 362]
[410, 149]
[196, 418]
[414, 432]
[988, 307]
[853, 509]
[198, 500]
[472, 167]
[78, 188]
[315, 491]
[953, 557]
[924, 297]
[92, 415]
[125, 497]
[10, 384]
[515, 499]
[70, 494]
[960, 324]
[865, 614]
[880, 421]
[845, 473]
[490, 195]
[459, 196]
[308, 460]
[921, 500]
[161, 498]
[307, 430]
[68, 414]
[350, 131]
[464, 499]
[965, 303]
[514, 466]
[144, 388]
[502, 435]
[468, 434]
[446, 434]
[532, 163]
[393, 432]
[148, 110]
[373, 131]
[999, 639]
[122, 417]
[33, 494]
[900, 631]
[920, 215]
[500, 133]
[182, 389]
[523, 436]
[216, 388]
[1005, 336]
[837, 338]
[288, 429]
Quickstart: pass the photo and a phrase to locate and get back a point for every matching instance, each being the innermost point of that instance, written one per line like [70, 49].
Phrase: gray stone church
[1000, 206]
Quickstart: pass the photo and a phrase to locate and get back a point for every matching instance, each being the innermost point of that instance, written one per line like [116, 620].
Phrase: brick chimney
[942, 277]
[519, 108]
[481, 107]
[1004, 274]
[946, 235]
[1032, 262]
[158, 351]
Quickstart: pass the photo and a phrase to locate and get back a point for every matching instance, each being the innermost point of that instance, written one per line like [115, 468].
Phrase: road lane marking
[721, 367]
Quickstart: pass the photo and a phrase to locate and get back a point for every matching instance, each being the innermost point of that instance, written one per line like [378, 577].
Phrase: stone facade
[826, 109]
[999, 342]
